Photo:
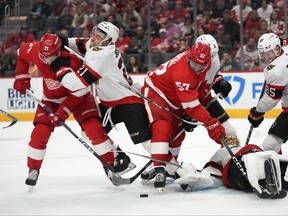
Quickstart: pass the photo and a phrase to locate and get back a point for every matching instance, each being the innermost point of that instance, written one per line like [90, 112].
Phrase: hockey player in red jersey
[62, 102]
[269, 48]
[174, 86]
[266, 171]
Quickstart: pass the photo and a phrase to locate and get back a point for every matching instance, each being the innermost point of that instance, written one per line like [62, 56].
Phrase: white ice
[72, 180]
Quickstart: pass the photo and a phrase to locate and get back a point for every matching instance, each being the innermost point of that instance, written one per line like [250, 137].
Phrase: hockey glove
[59, 62]
[21, 84]
[59, 115]
[221, 86]
[255, 118]
[188, 127]
[64, 41]
[215, 129]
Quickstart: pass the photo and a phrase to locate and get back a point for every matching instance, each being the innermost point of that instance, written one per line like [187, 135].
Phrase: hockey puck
[143, 195]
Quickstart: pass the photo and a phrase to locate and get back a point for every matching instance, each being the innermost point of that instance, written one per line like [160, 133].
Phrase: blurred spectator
[128, 14]
[24, 36]
[65, 32]
[164, 10]
[66, 18]
[113, 11]
[155, 26]
[183, 46]
[207, 23]
[227, 63]
[111, 18]
[86, 33]
[235, 11]
[8, 61]
[275, 24]
[187, 29]
[57, 7]
[134, 66]
[123, 41]
[231, 28]
[253, 23]
[139, 42]
[173, 28]
[265, 10]
[263, 29]
[250, 53]
[223, 40]
[179, 12]
[80, 19]
[40, 11]
[218, 9]
[7, 44]
[161, 44]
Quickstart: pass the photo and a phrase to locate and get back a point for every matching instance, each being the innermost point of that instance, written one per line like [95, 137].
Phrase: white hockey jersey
[276, 77]
[105, 65]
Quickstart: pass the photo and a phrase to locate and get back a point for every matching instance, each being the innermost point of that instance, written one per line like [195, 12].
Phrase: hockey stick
[135, 91]
[14, 120]
[115, 178]
[251, 126]
[47, 109]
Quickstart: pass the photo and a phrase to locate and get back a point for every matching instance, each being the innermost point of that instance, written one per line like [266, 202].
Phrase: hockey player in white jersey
[266, 171]
[215, 81]
[276, 78]
[104, 67]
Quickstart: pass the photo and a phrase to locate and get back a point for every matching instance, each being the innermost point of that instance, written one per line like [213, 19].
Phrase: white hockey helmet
[207, 38]
[111, 31]
[267, 42]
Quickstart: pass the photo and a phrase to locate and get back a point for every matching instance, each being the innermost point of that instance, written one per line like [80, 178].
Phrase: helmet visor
[47, 59]
[197, 68]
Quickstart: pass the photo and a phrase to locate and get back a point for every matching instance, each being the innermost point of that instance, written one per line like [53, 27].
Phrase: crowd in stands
[172, 27]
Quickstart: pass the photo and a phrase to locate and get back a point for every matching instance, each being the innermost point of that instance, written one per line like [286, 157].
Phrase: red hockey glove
[222, 86]
[255, 118]
[21, 84]
[60, 114]
[215, 129]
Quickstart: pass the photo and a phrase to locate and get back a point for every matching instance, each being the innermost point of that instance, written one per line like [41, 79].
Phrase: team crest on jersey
[52, 84]
[269, 67]
[96, 48]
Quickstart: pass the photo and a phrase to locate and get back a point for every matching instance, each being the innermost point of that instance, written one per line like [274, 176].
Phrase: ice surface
[72, 181]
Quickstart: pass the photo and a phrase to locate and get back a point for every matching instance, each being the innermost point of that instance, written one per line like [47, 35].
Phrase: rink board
[246, 88]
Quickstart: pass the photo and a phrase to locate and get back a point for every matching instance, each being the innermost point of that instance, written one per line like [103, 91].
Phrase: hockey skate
[160, 178]
[32, 178]
[122, 165]
[148, 177]
[270, 188]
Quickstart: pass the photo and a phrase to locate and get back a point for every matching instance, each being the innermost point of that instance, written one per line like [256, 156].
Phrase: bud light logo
[241, 83]
[19, 101]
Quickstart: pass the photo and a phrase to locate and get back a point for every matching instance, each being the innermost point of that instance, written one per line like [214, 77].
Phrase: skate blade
[151, 181]
[130, 167]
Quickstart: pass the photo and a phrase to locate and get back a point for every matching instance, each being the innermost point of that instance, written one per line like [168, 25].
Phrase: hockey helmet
[110, 30]
[269, 42]
[199, 56]
[49, 48]
[209, 39]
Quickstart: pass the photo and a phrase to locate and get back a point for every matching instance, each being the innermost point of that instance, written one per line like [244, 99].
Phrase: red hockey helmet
[49, 47]
[199, 56]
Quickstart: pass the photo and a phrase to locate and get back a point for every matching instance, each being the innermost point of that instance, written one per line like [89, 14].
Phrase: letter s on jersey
[182, 86]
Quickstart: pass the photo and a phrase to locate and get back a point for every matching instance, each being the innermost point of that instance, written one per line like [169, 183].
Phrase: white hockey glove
[264, 166]
[190, 177]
